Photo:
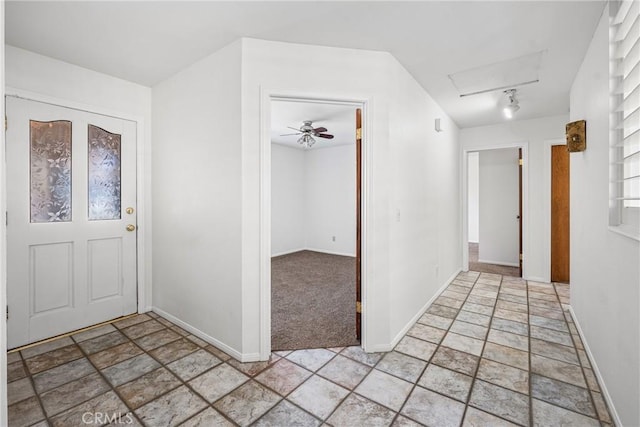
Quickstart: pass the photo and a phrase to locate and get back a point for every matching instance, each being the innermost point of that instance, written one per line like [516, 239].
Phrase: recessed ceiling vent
[499, 76]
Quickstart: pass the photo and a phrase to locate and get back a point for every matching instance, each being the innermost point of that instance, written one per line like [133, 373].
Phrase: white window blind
[625, 112]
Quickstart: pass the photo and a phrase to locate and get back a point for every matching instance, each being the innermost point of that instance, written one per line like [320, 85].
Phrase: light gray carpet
[474, 265]
[312, 301]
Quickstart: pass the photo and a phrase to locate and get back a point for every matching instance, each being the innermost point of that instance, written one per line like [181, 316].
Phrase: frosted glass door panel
[50, 162]
[104, 174]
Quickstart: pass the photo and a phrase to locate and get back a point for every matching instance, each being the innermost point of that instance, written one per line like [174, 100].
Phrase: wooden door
[358, 223]
[559, 214]
[71, 240]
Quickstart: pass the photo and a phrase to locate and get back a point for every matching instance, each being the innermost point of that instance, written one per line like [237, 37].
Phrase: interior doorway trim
[143, 205]
[546, 204]
[524, 145]
[266, 98]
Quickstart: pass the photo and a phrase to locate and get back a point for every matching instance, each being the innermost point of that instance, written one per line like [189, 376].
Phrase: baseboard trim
[415, 318]
[251, 357]
[537, 279]
[506, 264]
[322, 251]
[293, 251]
[596, 370]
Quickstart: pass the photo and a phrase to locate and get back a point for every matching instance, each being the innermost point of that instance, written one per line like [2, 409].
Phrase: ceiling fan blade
[296, 129]
[324, 135]
[289, 134]
[320, 130]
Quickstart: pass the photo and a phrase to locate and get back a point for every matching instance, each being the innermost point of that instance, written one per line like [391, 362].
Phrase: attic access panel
[500, 75]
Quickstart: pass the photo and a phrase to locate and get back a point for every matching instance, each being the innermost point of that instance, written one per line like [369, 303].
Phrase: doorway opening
[494, 211]
[315, 224]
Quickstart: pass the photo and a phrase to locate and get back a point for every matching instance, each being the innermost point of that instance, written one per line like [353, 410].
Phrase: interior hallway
[491, 350]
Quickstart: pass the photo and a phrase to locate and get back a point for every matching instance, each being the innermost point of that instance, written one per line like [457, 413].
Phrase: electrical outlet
[333, 238]
[398, 215]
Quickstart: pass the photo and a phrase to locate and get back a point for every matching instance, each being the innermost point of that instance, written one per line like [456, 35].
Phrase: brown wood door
[520, 211]
[559, 214]
[358, 222]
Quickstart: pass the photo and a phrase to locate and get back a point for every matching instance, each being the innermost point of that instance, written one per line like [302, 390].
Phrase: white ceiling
[148, 41]
[340, 121]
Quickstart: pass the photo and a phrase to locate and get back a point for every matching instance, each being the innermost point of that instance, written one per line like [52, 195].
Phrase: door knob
[129, 211]
[131, 227]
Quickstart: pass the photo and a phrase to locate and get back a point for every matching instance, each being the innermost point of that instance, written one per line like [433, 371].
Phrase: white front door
[71, 219]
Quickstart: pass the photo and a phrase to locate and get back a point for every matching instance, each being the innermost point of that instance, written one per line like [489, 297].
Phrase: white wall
[197, 199]
[313, 199]
[473, 198]
[411, 170]
[330, 205]
[288, 195]
[605, 276]
[499, 196]
[537, 132]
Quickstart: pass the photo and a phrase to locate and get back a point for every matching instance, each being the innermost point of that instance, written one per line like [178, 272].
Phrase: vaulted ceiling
[148, 41]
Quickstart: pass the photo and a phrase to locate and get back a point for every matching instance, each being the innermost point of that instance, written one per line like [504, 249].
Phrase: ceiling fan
[308, 132]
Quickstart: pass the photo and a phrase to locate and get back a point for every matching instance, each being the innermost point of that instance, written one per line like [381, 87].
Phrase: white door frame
[525, 198]
[546, 204]
[143, 285]
[267, 96]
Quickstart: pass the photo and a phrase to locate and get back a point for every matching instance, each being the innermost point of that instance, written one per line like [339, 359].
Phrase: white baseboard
[536, 279]
[596, 371]
[419, 314]
[323, 251]
[287, 252]
[250, 357]
[506, 264]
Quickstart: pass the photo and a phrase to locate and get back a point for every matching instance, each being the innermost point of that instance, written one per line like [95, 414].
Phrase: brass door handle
[131, 227]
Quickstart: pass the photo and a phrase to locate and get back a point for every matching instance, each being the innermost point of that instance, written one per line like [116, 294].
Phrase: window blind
[625, 49]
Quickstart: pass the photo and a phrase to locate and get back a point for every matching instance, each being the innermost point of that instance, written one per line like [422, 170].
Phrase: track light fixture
[512, 104]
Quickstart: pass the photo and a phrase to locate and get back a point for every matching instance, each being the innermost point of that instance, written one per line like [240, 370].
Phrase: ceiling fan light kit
[308, 132]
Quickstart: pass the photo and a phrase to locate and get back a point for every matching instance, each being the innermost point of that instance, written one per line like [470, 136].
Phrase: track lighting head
[512, 104]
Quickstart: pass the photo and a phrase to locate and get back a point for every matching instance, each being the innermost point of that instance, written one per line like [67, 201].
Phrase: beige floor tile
[344, 371]
[356, 410]
[432, 409]
[194, 364]
[447, 382]
[318, 396]
[171, 409]
[500, 401]
[284, 376]
[402, 366]
[385, 389]
[247, 403]
[285, 413]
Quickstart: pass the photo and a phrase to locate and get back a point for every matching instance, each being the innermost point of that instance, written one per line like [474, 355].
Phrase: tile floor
[491, 350]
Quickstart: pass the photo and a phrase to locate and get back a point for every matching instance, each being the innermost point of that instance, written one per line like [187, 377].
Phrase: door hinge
[359, 133]
[6, 123]
[7, 312]
[358, 307]
[520, 257]
[520, 162]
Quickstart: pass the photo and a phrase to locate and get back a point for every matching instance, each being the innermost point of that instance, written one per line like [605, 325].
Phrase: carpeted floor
[312, 301]
[474, 265]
